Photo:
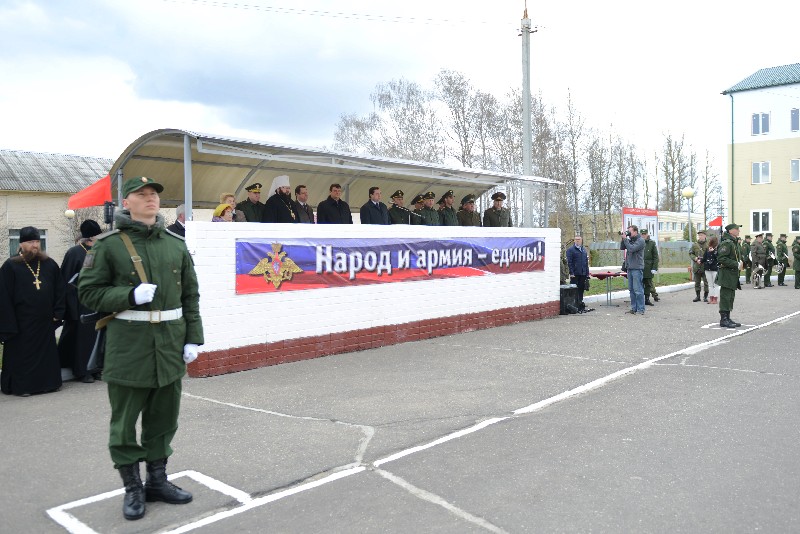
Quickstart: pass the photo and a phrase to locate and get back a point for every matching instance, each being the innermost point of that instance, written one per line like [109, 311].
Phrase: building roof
[49, 173]
[769, 77]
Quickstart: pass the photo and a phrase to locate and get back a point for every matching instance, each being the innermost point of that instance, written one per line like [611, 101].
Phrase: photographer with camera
[633, 244]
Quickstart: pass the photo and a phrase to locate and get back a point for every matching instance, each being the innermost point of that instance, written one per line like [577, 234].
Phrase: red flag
[94, 195]
[717, 221]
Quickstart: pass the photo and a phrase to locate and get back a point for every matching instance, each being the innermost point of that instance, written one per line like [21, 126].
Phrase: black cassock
[27, 329]
[77, 339]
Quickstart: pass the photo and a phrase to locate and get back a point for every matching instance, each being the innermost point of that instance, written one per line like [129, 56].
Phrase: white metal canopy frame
[196, 168]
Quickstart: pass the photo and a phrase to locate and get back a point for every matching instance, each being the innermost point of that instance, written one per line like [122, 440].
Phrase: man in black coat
[279, 207]
[334, 210]
[178, 227]
[374, 211]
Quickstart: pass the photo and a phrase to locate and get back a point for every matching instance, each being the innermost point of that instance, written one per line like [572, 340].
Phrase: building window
[13, 240]
[760, 123]
[660, 226]
[794, 220]
[683, 225]
[674, 226]
[794, 170]
[761, 172]
[698, 227]
[795, 120]
[761, 221]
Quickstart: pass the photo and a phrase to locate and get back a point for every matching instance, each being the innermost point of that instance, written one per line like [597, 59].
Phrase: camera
[627, 233]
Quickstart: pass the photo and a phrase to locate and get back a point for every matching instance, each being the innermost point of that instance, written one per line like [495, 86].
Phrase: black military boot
[725, 320]
[133, 505]
[705, 296]
[158, 488]
[655, 298]
[734, 323]
[647, 301]
[697, 298]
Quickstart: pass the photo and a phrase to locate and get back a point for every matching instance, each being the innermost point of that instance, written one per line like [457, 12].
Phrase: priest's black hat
[29, 233]
[90, 228]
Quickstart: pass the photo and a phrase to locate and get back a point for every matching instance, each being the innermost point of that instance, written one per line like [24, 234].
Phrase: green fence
[670, 253]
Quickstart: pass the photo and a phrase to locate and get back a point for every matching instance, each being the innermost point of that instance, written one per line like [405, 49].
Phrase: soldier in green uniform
[696, 253]
[418, 205]
[782, 257]
[252, 208]
[397, 213]
[748, 264]
[796, 255]
[154, 334]
[650, 268]
[448, 215]
[770, 259]
[467, 216]
[729, 264]
[497, 215]
[430, 217]
[758, 256]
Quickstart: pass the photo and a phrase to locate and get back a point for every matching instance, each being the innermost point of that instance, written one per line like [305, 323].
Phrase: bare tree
[459, 96]
[712, 189]
[677, 167]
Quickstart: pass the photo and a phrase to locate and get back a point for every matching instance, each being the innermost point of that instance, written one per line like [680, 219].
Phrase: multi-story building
[764, 151]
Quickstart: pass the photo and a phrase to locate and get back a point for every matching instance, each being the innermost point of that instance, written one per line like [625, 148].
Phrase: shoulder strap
[135, 258]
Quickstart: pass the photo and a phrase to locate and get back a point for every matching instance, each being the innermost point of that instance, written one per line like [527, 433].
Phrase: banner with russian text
[269, 265]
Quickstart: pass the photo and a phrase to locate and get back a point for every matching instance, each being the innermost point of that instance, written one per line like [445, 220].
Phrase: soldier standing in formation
[497, 215]
[729, 264]
[467, 216]
[429, 216]
[770, 259]
[650, 268]
[252, 208]
[697, 252]
[796, 254]
[748, 264]
[397, 213]
[448, 215]
[154, 334]
[782, 257]
[758, 255]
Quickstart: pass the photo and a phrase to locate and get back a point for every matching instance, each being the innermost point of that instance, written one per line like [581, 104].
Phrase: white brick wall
[232, 320]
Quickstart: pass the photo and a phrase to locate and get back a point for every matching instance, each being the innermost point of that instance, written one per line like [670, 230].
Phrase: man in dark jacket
[467, 216]
[179, 226]
[650, 268]
[374, 211]
[729, 263]
[633, 244]
[334, 210]
[448, 215]
[279, 207]
[252, 208]
[578, 263]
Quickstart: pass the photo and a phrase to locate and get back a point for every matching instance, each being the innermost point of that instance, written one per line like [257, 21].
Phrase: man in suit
[374, 211]
[303, 211]
[334, 210]
[179, 226]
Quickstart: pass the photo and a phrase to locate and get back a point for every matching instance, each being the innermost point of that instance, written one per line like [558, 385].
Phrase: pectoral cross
[37, 283]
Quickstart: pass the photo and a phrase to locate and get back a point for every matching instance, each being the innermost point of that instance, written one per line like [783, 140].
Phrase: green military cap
[732, 226]
[397, 194]
[254, 188]
[417, 199]
[768, 234]
[467, 199]
[747, 237]
[134, 184]
[644, 231]
[782, 235]
[449, 194]
[760, 235]
[428, 196]
[499, 196]
[441, 200]
[701, 232]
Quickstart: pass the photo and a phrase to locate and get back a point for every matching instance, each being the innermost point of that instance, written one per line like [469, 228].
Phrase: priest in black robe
[31, 307]
[77, 339]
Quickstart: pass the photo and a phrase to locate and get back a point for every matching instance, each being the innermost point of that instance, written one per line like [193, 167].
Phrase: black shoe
[648, 303]
[696, 299]
[133, 506]
[725, 320]
[158, 488]
[781, 284]
[87, 379]
[656, 298]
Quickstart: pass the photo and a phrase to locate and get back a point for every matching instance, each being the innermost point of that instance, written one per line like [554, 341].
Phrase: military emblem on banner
[276, 267]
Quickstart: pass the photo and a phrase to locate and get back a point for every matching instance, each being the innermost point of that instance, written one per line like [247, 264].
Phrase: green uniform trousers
[768, 275]
[748, 273]
[782, 275]
[159, 408]
[726, 297]
[649, 288]
[700, 278]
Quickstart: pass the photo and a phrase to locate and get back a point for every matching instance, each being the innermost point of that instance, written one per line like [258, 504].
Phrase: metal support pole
[187, 176]
[527, 193]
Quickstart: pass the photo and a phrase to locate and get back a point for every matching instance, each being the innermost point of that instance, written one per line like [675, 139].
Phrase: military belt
[150, 316]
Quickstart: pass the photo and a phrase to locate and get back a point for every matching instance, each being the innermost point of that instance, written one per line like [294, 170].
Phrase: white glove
[189, 352]
[653, 271]
[144, 293]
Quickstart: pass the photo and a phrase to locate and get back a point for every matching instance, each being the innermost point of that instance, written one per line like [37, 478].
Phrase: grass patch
[598, 287]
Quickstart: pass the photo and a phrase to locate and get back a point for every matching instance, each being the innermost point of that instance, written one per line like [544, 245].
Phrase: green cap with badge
[134, 184]
[732, 226]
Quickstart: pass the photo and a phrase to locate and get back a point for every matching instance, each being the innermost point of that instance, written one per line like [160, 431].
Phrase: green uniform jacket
[398, 215]
[252, 212]
[728, 262]
[498, 218]
[758, 253]
[796, 254]
[448, 217]
[781, 251]
[468, 218]
[650, 258]
[138, 353]
[698, 251]
[745, 253]
[770, 250]
[430, 217]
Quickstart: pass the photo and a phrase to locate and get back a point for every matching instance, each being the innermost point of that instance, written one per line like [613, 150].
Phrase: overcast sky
[88, 77]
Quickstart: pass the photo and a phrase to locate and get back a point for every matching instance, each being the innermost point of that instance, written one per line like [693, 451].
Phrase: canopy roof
[224, 164]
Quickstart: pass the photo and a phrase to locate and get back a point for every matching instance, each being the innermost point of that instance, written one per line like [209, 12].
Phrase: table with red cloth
[607, 276]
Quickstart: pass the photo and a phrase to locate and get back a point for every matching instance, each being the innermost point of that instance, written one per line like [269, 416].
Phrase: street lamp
[688, 193]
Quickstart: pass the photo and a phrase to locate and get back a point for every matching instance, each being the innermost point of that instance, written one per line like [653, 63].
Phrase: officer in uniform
[770, 261]
[497, 215]
[430, 217]
[252, 208]
[467, 216]
[758, 256]
[417, 202]
[748, 264]
[782, 255]
[650, 268]
[448, 215]
[696, 253]
[729, 264]
[397, 213]
[154, 333]
[796, 254]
